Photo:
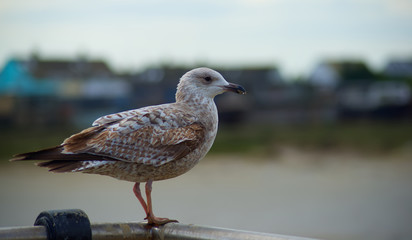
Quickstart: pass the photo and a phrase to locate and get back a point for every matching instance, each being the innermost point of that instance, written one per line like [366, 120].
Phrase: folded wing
[150, 137]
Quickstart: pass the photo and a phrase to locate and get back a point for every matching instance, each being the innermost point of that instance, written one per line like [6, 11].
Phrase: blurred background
[321, 146]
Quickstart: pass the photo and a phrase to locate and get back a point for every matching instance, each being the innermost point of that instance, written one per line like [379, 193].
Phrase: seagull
[147, 144]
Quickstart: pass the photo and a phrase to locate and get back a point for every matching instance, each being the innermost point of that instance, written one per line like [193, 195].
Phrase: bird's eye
[208, 79]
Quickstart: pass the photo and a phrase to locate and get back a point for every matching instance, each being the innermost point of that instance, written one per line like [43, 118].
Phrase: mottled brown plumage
[146, 144]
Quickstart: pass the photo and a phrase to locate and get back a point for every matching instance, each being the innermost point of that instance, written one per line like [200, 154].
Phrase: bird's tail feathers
[53, 153]
[61, 165]
[57, 161]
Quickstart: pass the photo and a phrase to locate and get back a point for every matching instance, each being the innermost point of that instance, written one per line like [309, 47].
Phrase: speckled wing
[120, 116]
[152, 136]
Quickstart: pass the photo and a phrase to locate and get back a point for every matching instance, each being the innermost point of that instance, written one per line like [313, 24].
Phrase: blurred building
[361, 93]
[329, 75]
[38, 91]
[272, 99]
[56, 91]
[399, 69]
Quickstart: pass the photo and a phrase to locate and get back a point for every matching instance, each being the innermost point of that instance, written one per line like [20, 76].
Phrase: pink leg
[136, 190]
[151, 218]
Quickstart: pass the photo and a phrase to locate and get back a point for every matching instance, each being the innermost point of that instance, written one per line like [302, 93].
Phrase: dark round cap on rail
[68, 224]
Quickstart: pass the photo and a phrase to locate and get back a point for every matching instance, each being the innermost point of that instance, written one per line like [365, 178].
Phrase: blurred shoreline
[367, 139]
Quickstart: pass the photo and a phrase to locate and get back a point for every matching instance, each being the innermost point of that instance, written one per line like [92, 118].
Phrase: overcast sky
[291, 34]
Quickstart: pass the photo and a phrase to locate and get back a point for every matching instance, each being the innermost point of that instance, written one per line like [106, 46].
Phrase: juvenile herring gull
[146, 144]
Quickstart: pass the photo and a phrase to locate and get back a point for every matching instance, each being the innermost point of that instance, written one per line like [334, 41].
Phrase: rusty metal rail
[138, 231]
[131, 231]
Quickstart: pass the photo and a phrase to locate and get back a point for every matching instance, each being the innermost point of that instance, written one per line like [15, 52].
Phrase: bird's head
[207, 82]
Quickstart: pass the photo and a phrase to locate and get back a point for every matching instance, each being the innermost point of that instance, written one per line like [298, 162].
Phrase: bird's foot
[157, 221]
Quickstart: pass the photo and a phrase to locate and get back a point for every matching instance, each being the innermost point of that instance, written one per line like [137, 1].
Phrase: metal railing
[131, 231]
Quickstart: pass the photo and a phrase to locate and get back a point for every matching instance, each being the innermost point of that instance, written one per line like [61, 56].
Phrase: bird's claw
[157, 221]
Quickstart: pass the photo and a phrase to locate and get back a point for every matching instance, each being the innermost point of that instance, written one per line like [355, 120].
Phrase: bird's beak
[231, 87]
